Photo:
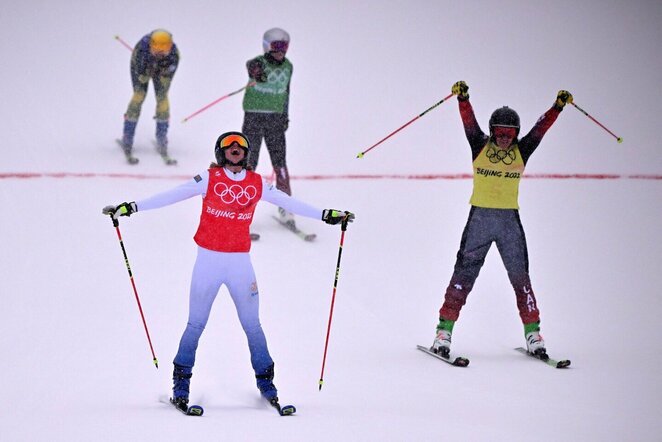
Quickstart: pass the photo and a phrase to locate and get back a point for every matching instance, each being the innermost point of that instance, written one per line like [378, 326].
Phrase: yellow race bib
[497, 173]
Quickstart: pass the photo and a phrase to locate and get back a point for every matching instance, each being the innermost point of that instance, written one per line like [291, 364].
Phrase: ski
[254, 236]
[549, 361]
[285, 410]
[170, 161]
[294, 229]
[193, 410]
[454, 360]
[129, 156]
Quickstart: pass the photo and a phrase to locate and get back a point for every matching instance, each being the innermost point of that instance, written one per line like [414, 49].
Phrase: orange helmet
[160, 42]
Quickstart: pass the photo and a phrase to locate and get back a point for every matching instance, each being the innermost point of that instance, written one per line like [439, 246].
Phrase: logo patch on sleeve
[197, 178]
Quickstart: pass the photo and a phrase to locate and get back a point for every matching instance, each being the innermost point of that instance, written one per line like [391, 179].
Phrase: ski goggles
[505, 131]
[229, 140]
[279, 46]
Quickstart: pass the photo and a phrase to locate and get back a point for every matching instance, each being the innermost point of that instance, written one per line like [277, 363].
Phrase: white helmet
[274, 35]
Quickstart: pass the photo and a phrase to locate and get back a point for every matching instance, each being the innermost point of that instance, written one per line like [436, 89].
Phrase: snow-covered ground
[76, 363]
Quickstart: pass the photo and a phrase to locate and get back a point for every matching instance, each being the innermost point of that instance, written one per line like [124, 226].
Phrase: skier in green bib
[266, 108]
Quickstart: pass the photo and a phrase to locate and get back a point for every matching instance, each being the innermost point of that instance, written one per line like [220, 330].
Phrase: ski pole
[125, 44]
[251, 84]
[619, 139]
[360, 155]
[116, 223]
[343, 227]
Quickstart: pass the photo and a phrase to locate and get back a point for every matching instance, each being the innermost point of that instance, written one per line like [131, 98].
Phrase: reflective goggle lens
[504, 131]
[230, 139]
[279, 46]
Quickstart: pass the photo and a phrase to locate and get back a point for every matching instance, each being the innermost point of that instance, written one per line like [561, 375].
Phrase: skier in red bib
[498, 162]
[230, 193]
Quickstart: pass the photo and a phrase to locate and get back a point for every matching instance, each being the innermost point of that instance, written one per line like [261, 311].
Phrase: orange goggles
[231, 139]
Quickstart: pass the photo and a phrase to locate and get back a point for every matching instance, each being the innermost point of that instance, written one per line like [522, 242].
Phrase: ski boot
[535, 344]
[265, 384]
[442, 342]
[127, 136]
[286, 218]
[162, 137]
[181, 377]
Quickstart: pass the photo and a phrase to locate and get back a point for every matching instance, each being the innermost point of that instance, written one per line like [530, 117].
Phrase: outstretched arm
[195, 186]
[281, 199]
[191, 188]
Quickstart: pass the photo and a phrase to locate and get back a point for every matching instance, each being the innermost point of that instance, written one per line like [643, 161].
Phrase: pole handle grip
[344, 223]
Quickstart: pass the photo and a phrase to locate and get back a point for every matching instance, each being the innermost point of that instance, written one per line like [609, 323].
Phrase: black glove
[124, 209]
[256, 71]
[461, 89]
[332, 216]
[562, 98]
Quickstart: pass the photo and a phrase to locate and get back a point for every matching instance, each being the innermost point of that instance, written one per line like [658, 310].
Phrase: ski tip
[195, 410]
[461, 362]
[565, 363]
[287, 410]
[457, 361]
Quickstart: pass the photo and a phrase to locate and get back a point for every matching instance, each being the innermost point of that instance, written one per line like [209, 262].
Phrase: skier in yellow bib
[498, 164]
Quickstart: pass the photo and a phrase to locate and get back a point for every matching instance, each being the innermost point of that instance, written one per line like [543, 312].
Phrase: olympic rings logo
[279, 76]
[235, 193]
[505, 156]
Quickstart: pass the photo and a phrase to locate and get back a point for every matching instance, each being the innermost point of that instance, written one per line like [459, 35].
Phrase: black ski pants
[484, 227]
[271, 127]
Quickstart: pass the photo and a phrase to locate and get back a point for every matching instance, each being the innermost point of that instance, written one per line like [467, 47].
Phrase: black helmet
[505, 117]
[227, 140]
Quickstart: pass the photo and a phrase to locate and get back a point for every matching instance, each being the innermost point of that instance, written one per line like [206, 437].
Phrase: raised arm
[530, 141]
[472, 130]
